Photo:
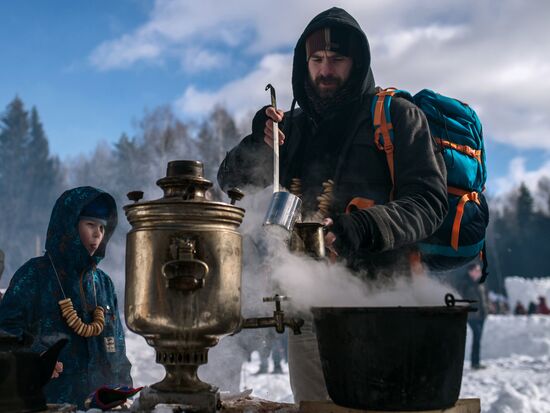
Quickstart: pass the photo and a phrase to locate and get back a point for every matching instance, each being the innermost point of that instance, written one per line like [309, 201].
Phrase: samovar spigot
[278, 320]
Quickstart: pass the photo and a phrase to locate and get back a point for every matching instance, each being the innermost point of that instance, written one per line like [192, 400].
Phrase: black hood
[333, 17]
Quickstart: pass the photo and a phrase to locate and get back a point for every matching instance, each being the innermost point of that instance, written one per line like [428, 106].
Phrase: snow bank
[526, 290]
[508, 336]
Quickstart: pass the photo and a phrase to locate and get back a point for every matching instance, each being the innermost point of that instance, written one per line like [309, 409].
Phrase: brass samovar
[183, 282]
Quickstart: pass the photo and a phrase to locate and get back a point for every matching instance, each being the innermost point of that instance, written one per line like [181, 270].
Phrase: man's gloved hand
[107, 397]
[348, 233]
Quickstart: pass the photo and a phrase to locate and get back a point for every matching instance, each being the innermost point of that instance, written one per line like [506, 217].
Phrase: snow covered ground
[515, 349]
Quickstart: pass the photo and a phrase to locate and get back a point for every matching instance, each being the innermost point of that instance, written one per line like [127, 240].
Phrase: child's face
[91, 234]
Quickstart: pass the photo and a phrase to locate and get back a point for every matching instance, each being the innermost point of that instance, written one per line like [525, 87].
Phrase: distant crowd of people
[498, 304]
[532, 308]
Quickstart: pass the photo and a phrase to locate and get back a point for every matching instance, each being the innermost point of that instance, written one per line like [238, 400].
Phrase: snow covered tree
[217, 135]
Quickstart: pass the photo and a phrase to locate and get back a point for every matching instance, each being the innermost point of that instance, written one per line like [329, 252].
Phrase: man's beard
[335, 83]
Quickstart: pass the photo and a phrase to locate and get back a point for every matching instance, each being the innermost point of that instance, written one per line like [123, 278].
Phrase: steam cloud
[311, 283]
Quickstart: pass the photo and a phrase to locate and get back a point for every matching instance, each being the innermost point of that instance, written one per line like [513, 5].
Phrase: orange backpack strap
[465, 196]
[465, 149]
[383, 129]
[359, 203]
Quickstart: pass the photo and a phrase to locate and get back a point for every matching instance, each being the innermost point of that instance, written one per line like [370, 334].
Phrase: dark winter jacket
[376, 237]
[30, 304]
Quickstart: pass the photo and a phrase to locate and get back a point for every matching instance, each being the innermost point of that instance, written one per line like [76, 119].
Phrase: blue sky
[91, 68]
[46, 48]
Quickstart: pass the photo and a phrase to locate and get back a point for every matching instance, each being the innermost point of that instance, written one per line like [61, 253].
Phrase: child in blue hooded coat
[82, 221]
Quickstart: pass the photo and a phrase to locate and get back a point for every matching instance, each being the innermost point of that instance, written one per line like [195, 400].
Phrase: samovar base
[181, 370]
[206, 401]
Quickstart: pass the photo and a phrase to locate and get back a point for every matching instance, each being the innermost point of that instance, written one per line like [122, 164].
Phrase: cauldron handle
[450, 301]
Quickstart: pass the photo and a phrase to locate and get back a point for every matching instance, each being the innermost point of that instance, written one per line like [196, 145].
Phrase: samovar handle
[186, 273]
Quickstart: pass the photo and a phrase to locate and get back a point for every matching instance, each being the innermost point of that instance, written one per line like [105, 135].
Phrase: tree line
[31, 179]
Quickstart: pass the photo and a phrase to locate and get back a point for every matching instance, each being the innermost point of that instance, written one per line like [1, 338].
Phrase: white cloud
[518, 174]
[396, 44]
[196, 60]
[247, 93]
[125, 51]
[490, 54]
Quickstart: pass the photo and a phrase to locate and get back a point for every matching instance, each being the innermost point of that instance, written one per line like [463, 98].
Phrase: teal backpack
[457, 130]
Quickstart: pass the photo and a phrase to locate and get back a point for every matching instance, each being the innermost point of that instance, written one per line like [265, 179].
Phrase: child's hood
[63, 240]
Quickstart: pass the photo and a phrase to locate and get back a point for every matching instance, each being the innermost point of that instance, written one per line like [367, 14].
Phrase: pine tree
[525, 203]
[14, 138]
[30, 181]
[14, 170]
[45, 180]
[524, 262]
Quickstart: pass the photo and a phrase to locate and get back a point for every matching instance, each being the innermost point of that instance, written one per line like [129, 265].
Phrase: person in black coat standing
[328, 152]
[470, 289]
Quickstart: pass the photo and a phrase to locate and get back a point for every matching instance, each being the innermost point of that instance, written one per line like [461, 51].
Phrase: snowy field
[515, 349]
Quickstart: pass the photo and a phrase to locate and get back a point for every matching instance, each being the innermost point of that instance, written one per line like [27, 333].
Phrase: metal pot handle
[450, 301]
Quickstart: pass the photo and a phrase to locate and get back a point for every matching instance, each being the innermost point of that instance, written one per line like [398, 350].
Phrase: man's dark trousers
[477, 329]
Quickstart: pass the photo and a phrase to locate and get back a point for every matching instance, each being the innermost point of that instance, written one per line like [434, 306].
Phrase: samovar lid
[185, 200]
[185, 168]
[185, 179]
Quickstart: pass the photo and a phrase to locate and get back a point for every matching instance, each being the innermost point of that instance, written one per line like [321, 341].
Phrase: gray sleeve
[420, 197]
[420, 193]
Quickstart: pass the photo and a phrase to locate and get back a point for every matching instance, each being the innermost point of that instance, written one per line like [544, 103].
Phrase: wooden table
[461, 406]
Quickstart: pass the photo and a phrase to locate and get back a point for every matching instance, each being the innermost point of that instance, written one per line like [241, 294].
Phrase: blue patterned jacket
[30, 304]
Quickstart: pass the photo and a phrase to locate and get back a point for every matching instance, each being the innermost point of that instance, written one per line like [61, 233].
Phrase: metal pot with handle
[393, 358]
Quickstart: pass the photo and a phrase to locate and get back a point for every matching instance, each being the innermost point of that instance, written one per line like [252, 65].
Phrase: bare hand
[276, 116]
[57, 370]
[329, 236]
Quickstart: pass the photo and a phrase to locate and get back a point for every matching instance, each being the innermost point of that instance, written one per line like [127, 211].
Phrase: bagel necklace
[73, 320]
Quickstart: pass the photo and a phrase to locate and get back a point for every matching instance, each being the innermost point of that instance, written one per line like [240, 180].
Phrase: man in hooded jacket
[67, 270]
[331, 137]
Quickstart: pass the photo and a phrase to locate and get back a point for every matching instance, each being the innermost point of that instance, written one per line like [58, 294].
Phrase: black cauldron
[393, 358]
[23, 373]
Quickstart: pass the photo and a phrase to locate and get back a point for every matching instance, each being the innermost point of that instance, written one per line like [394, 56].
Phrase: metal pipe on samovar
[183, 282]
